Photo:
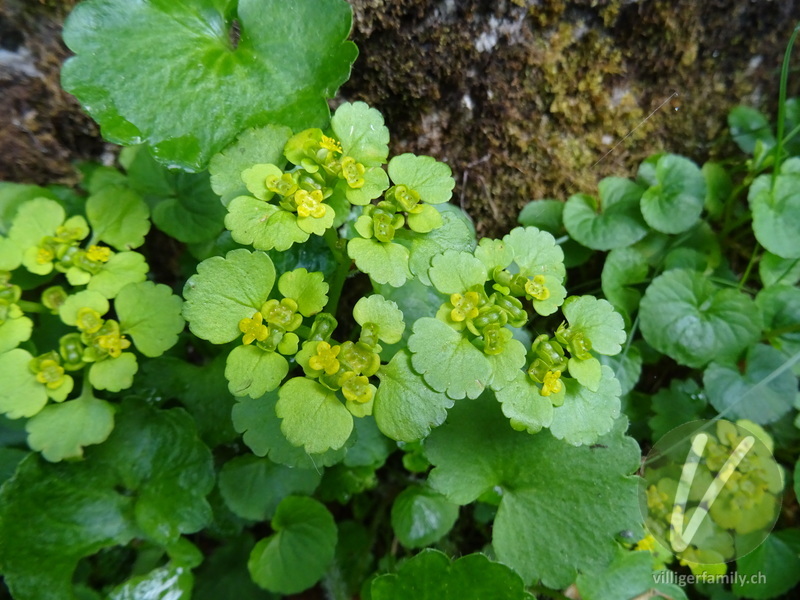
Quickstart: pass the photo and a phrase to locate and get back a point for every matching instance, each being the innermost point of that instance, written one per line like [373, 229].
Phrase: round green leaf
[120, 270]
[384, 263]
[431, 179]
[688, 318]
[34, 220]
[772, 569]
[10, 255]
[226, 290]
[151, 314]
[749, 126]
[776, 213]
[114, 374]
[169, 582]
[297, 555]
[675, 200]
[681, 402]
[85, 299]
[384, 313]
[456, 233]
[309, 290]
[253, 372]
[507, 364]
[598, 322]
[119, 217]
[405, 406]
[421, 516]
[313, 416]
[13, 331]
[254, 146]
[191, 212]
[61, 431]
[622, 270]
[426, 220]
[613, 221]
[776, 270]
[447, 361]
[303, 60]
[253, 487]
[763, 393]
[21, 395]
[361, 131]
[780, 305]
[430, 576]
[456, 272]
[536, 253]
[524, 405]
[262, 225]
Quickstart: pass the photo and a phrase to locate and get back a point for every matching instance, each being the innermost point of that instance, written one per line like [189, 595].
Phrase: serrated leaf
[114, 374]
[120, 270]
[524, 405]
[255, 418]
[553, 520]
[14, 195]
[194, 214]
[613, 221]
[776, 270]
[688, 318]
[226, 290]
[536, 253]
[253, 487]
[431, 179]
[383, 262]
[371, 448]
[623, 269]
[361, 131]
[113, 495]
[263, 225]
[254, 146]
[585, 415]
[192, 42]
[34, 220]
[586, 372]
[421, 516]
[506, 365]
[748, 126]
[119, 217]
[10, 255]
[674, 201]
[681, 403]
[627, 367]
[312, 416]
[14, 331]
[151, 315]
[21, 395]
[164, 583]
[406, 408]
[780, 306]
[384, 313]
[456, 233]
[68, 311]
[309, 290]
[629, 576]
[431, 576]
[456, 272]
[253, 372]
[763, 393]
[772, 569]
[447, 361]
[61, 431]
[426, 220]
[296, 556]
[598, 322]
[776, 213]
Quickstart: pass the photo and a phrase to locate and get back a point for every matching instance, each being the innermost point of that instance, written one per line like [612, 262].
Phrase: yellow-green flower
[552, 383]
[253, 329]
[309, 204]
[285, 185]
[89, 320]
[535, 288]
[464, 307]
[356, 388]
[330, 144]
[51, 374]
[353, 172]
[113, 342]
[325, 358]
[98, 253]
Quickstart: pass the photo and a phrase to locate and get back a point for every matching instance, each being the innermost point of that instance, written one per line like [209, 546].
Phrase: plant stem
[338, 249]
[749, 268]
[782, 104]
[31, 307]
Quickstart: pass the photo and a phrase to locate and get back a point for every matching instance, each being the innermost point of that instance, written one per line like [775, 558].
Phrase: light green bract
[431, 179]
[151, 315]
[383, 262]
[362, 133]
[226, 290]
[309, 290]
[688, 318]
[192, 42]
[119, 217]
[383, 314]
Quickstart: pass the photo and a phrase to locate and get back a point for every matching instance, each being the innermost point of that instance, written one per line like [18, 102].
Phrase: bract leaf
[763, 393]
[688, 318]
[13, 331]
[121, 269]
[361, 131]
[384, 313]
[431, 179]
[585, 415]
[507, 364]
[674, 201]
[405, 406]
[255, 418]
[776, 213]
[421, 516]
[34, 220]
[383, 262]
[456, 233]
[192, 42]
[85, 299]
[313, 416]
[309, 290]
[447, 361]
[536, 253]
[456, 272]
[297, 555]
[426, 220]
[539, 476]
[151, 314]
[119, 217]
[21, 395]
[254, 146]
[61, 431]
[253, 372]
[431, 576]
[524, 405]
[597, 321]
[226, 290]
[253, 487]
[114, 374]
[263, 225]
[613, 221]
[10, 255]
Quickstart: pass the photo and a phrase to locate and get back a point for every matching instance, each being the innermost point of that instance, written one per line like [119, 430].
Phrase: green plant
[361, 377]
